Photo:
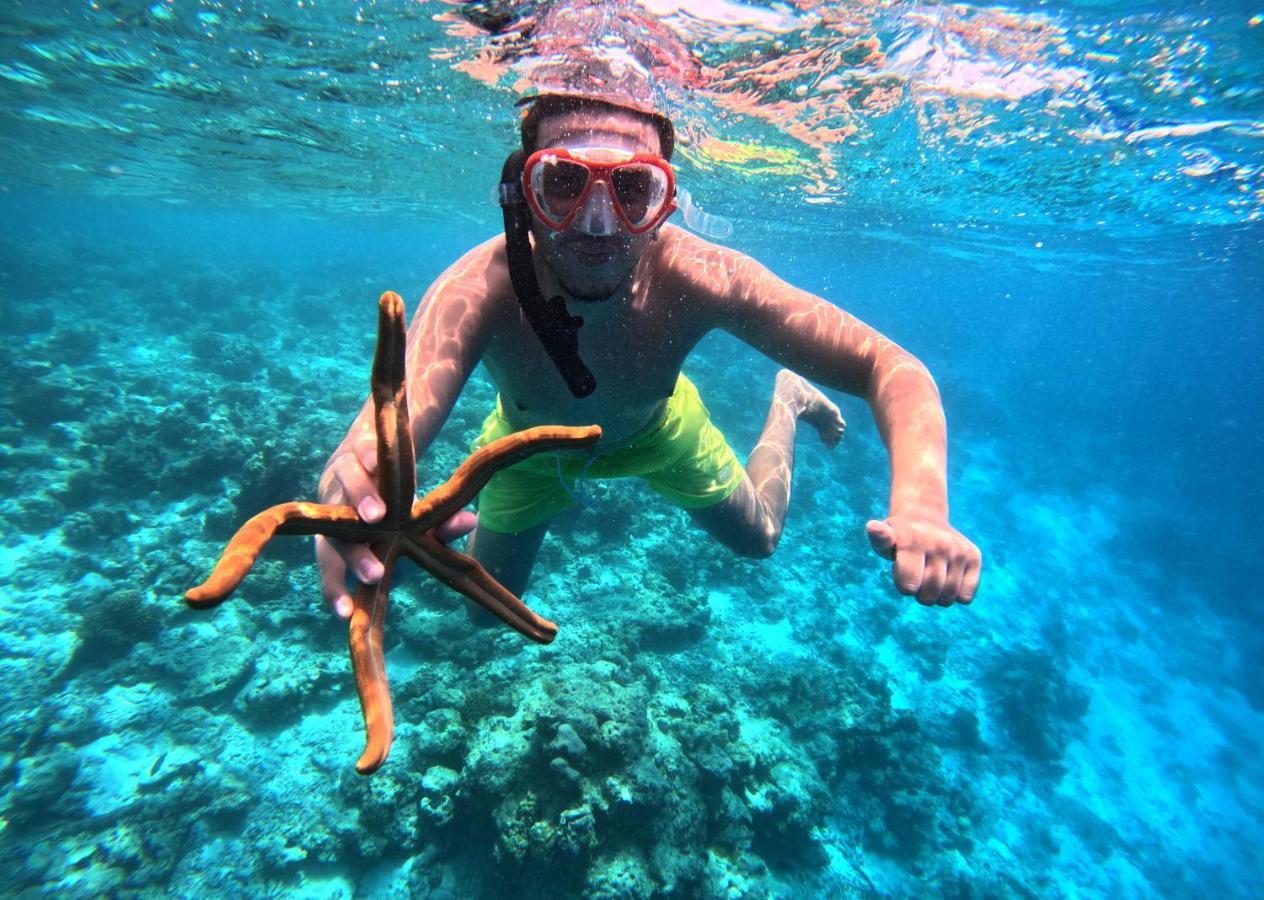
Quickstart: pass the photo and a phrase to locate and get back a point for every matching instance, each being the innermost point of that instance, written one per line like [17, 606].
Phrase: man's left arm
[811, 336]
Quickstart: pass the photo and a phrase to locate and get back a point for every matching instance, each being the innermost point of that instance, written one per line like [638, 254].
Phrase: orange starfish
[407, 529]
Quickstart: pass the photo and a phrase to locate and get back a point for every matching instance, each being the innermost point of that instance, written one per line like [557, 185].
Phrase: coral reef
[1036, 704]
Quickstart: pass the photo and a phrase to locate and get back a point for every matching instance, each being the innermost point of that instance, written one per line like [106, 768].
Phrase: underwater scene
[1057, 208]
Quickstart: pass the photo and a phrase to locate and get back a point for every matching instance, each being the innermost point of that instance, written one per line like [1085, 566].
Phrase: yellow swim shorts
[685, 458]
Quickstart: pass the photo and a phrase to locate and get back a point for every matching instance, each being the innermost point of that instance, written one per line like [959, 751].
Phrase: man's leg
[508, 557]
[749, 520]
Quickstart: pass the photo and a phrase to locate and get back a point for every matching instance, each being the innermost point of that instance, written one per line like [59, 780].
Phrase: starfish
[407, 529]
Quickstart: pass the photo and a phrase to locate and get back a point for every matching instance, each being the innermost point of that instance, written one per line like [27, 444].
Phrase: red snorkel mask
[557, 182]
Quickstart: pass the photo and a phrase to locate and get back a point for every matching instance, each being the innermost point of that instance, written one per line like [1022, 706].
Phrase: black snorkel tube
[556, 328]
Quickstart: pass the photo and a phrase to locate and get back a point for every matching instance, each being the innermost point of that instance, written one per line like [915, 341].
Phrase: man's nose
[598, 217]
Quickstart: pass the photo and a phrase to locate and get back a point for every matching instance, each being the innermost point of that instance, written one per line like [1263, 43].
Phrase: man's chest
[634, 351]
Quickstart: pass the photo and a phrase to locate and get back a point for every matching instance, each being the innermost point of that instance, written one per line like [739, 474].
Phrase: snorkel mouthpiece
[705, 223]
[556, 328]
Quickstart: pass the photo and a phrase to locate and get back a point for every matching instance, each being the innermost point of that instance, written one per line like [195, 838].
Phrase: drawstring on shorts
[580, 493]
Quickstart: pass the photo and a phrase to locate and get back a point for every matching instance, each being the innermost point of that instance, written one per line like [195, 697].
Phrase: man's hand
[349, 480]
[933, 561]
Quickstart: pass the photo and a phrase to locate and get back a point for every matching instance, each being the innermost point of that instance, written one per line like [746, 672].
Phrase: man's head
[549, 105]
[594, 253]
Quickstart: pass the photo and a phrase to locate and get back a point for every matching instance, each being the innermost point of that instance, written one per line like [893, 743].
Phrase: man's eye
[565, 180]
[641, 191]
[633, 184]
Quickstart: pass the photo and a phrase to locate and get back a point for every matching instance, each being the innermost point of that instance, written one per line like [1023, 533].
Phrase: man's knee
[767, 539]
[758, 542]
[740, 524]
[509, 558]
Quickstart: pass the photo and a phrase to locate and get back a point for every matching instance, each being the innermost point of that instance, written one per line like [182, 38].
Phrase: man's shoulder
[485, 264]
[697, 261]
[488, 254]
[478, 279]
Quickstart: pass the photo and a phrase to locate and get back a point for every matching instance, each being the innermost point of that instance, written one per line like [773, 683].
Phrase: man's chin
[585, 291]
[593, 276]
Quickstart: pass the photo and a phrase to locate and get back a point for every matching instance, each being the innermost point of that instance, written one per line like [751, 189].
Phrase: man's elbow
[901, 379]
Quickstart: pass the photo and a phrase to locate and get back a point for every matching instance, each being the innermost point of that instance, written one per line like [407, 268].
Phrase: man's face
[593, 256]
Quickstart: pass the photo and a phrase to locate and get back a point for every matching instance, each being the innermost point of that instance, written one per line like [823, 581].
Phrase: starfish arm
[465, 575]
[404, 529]
[397, 462]
[335, 521]
[368, 664]
[472, 475]
[249, 541]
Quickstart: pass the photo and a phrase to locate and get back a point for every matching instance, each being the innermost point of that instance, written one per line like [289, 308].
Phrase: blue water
[185, 339]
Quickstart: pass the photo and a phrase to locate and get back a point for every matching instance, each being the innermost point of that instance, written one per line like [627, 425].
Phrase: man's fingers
[934, 576]
[458, 526]
[370, 508]
[881, 538]
[336, 559]
[333, 577]
[365, 449]
[358, 488]
[932, 561]
[362, 562]
[952, 584]
[910, 566]
[970, 578]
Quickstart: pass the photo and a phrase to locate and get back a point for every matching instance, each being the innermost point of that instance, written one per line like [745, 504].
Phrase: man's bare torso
[635, 343]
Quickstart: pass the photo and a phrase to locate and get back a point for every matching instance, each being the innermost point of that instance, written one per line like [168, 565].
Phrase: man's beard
[592, 277]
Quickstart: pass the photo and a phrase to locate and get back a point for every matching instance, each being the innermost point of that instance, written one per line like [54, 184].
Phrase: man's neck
[594, 309]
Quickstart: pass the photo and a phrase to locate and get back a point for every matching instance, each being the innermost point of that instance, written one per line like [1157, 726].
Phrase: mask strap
[556, 328]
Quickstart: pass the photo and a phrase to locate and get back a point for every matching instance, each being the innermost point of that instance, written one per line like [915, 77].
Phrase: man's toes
[814, 407]
[826, 418]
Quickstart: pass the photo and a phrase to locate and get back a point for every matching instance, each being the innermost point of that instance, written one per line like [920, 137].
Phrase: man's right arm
[445, 342]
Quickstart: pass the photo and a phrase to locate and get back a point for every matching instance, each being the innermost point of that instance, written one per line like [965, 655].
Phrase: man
[599, 189]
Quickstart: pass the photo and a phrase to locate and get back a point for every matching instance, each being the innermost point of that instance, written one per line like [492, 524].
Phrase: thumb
[881, 538]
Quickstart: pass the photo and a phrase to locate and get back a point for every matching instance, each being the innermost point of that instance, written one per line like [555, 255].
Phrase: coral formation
[1037, 705]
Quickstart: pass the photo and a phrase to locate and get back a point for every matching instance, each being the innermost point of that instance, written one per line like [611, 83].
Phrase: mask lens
[558, 184]
[641, 190]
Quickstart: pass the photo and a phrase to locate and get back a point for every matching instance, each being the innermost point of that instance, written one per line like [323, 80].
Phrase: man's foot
[811, 406]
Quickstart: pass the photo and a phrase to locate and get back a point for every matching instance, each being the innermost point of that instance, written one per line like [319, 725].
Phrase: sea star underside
[407, 529]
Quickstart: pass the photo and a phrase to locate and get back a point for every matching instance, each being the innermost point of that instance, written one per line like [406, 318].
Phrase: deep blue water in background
[186, 322]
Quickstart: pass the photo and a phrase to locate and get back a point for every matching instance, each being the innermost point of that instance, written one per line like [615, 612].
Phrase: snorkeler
[585, 311]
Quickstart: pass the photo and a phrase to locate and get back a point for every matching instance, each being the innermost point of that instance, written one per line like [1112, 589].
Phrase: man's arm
[445, 342]
[824, 344]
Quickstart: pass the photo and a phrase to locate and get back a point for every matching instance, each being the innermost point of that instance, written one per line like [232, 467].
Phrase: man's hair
[559, 104]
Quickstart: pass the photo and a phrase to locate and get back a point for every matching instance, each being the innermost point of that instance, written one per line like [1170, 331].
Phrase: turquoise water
[1058, 210]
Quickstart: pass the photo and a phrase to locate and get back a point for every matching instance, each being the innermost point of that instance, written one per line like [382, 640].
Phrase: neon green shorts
[685, 458]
